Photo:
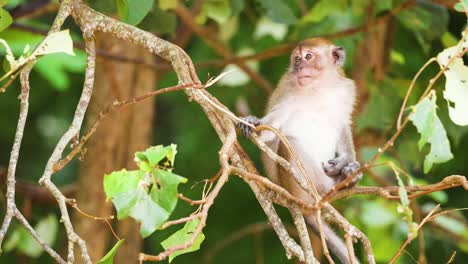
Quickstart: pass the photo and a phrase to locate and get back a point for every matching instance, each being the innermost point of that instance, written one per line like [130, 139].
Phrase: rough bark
[119, 135]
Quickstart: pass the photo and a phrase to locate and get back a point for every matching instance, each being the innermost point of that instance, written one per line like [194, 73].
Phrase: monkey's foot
[246, 129]
[349, 169]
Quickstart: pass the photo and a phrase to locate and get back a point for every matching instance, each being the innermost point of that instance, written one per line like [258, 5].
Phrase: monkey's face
[310, 62]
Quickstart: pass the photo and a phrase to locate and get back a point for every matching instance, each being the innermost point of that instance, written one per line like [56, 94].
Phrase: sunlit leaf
[266, 26]
[109, 257]
[456, 86]
[428, 124]
[121, 181]
[182, 236]
[462, 6]
[151, 157]
[237, 77]
[54, 43]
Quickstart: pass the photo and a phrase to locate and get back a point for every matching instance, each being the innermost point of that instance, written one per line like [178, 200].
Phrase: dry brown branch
[391, 192]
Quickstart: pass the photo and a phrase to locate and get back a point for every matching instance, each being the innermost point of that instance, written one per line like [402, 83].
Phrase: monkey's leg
[248, 130]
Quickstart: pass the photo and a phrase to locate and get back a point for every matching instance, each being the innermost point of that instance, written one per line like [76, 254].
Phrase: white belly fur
[314, 119]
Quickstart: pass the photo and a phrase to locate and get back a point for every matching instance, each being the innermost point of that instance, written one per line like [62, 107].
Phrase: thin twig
[410, 238]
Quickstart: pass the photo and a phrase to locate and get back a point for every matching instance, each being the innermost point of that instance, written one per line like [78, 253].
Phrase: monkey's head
[313, 57]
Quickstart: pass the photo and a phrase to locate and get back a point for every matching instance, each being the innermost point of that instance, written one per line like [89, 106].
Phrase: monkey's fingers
[334, 166]
[350, 169]
[246, 129]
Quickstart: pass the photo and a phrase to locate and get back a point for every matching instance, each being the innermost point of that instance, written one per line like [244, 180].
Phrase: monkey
[312, 107]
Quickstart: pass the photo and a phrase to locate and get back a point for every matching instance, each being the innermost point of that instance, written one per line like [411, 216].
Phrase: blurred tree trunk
[123, 132]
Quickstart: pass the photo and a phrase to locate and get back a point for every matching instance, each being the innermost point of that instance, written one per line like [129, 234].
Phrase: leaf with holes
[149, 159]
[183, 236]
[428, 124]
[456, 86]
[164, 192]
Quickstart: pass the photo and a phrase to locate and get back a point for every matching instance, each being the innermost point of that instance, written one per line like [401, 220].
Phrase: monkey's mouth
[301, 77]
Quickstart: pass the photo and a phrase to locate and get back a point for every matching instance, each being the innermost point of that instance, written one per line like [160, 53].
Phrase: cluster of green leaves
[149, 195]
[20, 239]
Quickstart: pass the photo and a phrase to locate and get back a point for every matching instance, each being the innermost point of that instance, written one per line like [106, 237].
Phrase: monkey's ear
[339, 56]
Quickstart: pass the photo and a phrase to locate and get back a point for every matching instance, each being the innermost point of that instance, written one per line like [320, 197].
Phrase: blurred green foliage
[418, 33]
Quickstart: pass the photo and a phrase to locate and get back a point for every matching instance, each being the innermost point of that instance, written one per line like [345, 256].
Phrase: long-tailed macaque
[312, 108]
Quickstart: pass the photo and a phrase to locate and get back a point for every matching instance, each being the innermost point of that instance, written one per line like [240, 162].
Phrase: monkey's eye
[297, 58]
[308, 56]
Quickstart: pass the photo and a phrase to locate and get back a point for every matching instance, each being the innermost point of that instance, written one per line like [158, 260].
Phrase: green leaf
[462, 6]
[121, 181]
[56, 68]
[5, 19]
[381, 108]
[109, 257]
[151, 157]
[53, 67]
[133, 11]
[164, 192]
[159, 22]
[182, 236]
[148, 213]
[3, 3]
[377, 214]
[148, 195]
[218, 10]
[21, 239]
[420, 20]
[323, 9]
[278, 11]
[432, 131]
[402, 192]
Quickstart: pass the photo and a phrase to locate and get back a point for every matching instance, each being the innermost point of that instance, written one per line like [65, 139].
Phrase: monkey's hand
[340, 168]
[333, 167]
[349, 169]
[246, 129]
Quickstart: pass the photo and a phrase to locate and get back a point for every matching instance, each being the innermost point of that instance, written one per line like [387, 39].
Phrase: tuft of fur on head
[315, 42]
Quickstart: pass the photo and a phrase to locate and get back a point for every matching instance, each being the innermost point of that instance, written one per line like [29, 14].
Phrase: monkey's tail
[334, 243]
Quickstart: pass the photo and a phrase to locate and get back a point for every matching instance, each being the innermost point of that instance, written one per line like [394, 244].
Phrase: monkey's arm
[345, 162]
